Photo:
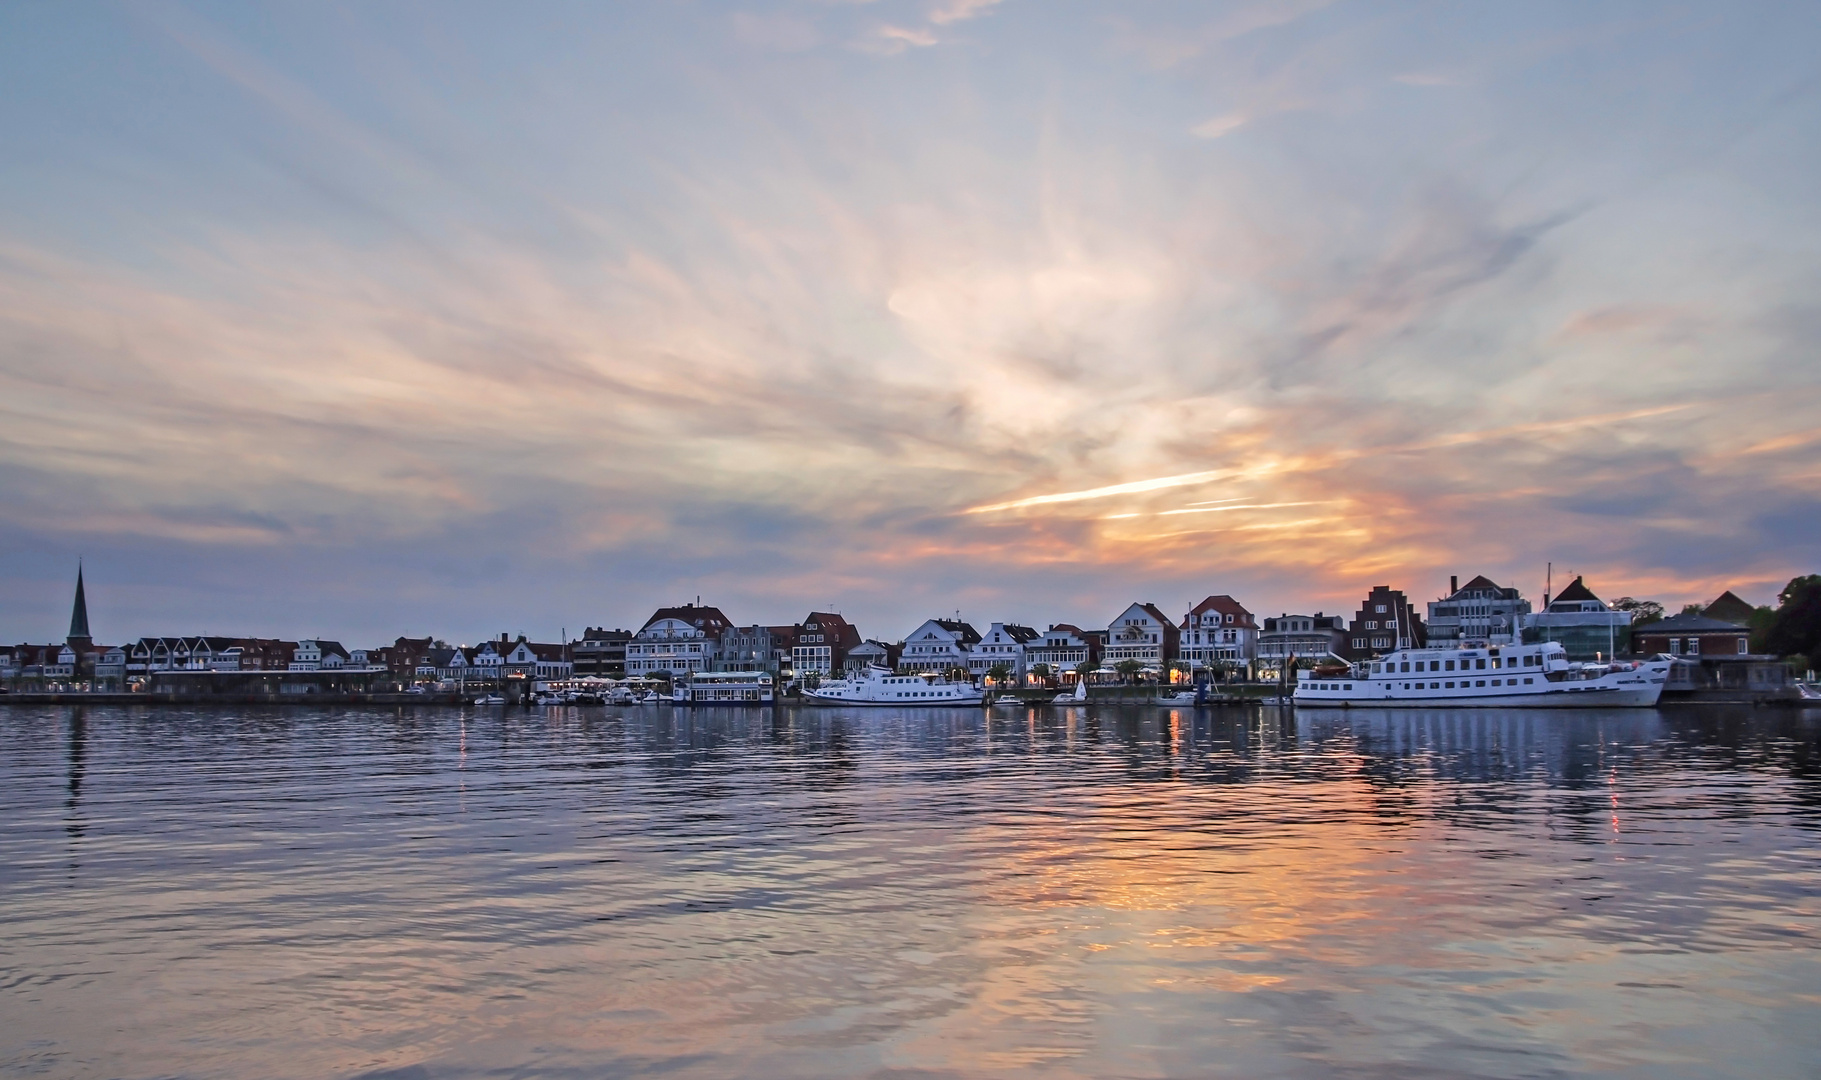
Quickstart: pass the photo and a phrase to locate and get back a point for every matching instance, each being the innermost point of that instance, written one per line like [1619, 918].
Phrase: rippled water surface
[816, 892]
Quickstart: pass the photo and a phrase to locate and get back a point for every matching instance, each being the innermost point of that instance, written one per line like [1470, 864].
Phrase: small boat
[549, 698]
[1179, 699]
[489, 699]
[1079, 697]
[1809, 691]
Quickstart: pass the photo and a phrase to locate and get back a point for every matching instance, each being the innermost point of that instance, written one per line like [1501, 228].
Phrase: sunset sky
[456, 319]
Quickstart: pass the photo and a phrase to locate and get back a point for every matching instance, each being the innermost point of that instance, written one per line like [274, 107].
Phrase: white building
[677, 640]
[1141, 633]
[1063, 648]
[1003, 643]
[1306, 637]
[938, 645]
[1481, 612]
[1219, 630]
[315, 654]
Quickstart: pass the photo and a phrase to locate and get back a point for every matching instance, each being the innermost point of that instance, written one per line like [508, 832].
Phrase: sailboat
[1079, 697]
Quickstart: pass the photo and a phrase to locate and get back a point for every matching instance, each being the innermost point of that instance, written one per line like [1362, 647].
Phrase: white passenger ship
[878, 686]
[1502, 676]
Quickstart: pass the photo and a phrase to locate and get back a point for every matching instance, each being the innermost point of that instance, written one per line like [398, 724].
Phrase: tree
[1127, 669]
[1643, 612]
[1796, 629]
[999, 673]
[958, 674]
[1086, 668]
[1693, 609]
[1042, 671]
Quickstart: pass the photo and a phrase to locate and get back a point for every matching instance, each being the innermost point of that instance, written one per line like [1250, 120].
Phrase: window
[1405, 666]
[1372, 624]
[1479, 665]
[1380, 609]
[1741, 645]
[1451, 667]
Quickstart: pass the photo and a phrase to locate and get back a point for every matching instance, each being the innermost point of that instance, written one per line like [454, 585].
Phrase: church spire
[79, 615]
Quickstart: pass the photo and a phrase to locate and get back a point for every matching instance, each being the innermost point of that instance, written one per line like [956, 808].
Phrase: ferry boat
[880, 686]
[724, 688]
[1501, 676]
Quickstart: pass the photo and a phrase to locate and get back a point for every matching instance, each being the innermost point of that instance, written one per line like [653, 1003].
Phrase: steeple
[79, 615]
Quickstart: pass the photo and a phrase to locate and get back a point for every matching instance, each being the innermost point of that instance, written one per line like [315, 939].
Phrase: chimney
[1454, 584]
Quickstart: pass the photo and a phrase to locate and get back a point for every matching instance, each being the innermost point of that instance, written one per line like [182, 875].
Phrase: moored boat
[880, 686]
[1535, 676]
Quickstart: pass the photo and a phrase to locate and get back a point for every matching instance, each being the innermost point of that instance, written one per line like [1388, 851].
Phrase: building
[1692, 635]
[1386, 620]
[1730, 608]
[316, 654]
[939, 645]
[531, 659]
[1479, 613]
[1064, 648]
[1584, 625]
[822, 643]
[870, 653]
[600, 653]
[676, 640]
[1142, 634]
[406, 658]
[1003, 643]
[1219, 631]
[1305, 637]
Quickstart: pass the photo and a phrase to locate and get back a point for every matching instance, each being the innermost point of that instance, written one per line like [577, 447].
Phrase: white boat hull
[1639, 687]
[882, 688]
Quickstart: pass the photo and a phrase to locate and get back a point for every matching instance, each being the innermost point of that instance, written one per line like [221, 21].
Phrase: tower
[79, 638]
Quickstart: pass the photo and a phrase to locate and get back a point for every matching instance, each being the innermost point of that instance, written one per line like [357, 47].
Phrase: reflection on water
[1065, 892]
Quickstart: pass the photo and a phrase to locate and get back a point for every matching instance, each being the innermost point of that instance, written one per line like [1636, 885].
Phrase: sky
[459, 319]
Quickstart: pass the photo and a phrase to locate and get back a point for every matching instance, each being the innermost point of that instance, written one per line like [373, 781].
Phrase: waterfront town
[1217, 640]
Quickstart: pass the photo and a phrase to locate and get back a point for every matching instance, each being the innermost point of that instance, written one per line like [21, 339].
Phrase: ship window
[1479, 682]
[1479, 665]
[1406, 666]
[1349, 686]
[1450, 665]
[1527, 682]
[1450, 686]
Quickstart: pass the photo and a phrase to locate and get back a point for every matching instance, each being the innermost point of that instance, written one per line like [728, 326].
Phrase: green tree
[999, 673]
[1042, 671]
[958, 674]
[1643, 612]
[1128, 669]
[1692, 609]
[1087, 667]
[1796, 629]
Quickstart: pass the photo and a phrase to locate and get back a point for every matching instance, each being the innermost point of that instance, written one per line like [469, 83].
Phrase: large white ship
[1502, 676]
[877, 686]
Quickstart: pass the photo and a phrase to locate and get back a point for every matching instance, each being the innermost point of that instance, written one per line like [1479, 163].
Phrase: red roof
[1223, 604]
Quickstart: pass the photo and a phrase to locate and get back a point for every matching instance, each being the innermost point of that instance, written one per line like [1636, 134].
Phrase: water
[818, 892]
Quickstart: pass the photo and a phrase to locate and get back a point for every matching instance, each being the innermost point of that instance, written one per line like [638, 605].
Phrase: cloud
[1221, 125]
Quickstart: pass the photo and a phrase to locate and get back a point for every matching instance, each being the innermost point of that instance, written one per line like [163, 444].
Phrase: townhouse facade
[939, 645]
[1305, 637]
[1219, 631]
[1144, 635]
[1479, 613]
[1003, 643]
[677, 640]
[1386, 620]
[1064, 649]
[822, 642]
[600, 653]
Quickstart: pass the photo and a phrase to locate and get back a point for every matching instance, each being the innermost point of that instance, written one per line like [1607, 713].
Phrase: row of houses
[1216, 635]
